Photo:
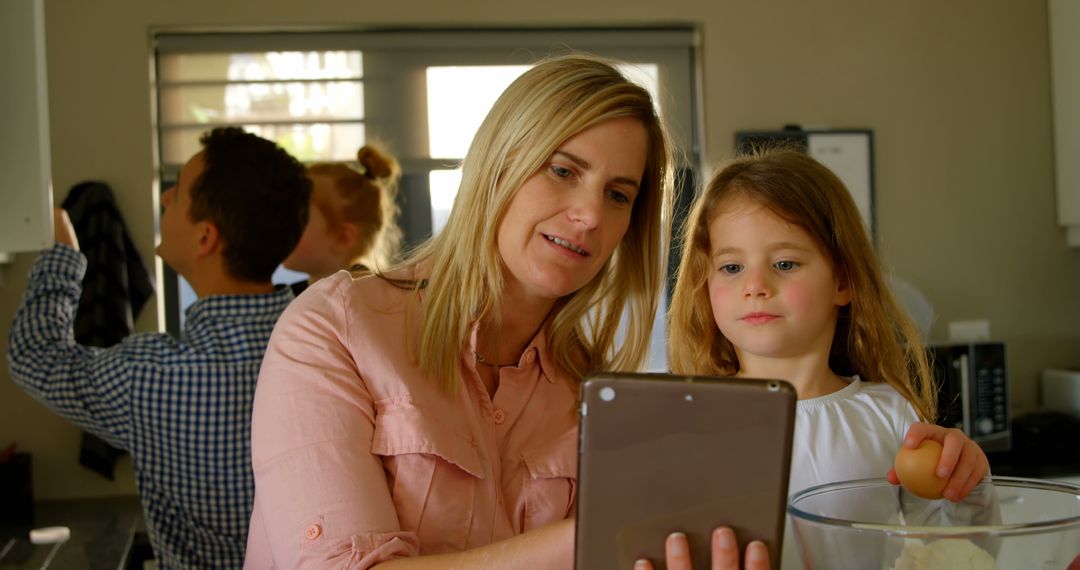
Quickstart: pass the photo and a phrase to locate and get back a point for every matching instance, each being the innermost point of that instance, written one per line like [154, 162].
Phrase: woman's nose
[587, 207]
[167, 196]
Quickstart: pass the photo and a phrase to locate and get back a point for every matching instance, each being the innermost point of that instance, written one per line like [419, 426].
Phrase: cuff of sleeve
[375, 548]
[60, 260]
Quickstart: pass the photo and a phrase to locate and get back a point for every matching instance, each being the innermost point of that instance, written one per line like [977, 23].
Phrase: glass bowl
[1005, 523]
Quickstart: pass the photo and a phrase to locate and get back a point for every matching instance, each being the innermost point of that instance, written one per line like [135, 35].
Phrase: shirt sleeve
[322, 496]
[88, 386]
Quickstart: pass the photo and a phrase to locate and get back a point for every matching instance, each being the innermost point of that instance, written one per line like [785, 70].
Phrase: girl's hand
[725, 553]
[962, 462]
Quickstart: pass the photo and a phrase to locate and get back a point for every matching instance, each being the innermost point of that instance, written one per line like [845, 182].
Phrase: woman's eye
[730, 268]
[785, 265]
[561, 171]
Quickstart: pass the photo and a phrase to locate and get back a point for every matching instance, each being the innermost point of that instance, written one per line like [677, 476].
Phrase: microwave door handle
[965, 393]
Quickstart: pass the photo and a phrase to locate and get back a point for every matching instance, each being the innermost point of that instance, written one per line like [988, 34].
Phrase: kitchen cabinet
[1065, 81]
[26, 183]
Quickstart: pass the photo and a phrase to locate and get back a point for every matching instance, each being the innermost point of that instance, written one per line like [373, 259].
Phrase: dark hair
[256, 194]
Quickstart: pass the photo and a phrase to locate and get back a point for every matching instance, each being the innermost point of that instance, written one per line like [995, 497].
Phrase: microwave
[973, 391]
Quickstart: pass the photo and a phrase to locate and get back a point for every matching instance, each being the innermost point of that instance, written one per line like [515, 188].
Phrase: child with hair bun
[353, 217]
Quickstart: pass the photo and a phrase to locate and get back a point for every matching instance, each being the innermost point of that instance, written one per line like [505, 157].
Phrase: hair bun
[377, 164]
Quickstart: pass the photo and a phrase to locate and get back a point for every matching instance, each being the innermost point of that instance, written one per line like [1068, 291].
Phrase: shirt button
[314, 531]
[500, 416]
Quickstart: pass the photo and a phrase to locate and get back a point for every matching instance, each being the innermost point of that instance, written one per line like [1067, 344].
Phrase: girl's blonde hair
[366, 197]
[544, 107]
[874, 337]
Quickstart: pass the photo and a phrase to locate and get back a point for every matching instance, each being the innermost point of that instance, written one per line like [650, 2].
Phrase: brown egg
[917, 469]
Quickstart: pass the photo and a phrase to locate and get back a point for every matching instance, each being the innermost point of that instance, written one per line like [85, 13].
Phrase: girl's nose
[755, 284]
[167, 196]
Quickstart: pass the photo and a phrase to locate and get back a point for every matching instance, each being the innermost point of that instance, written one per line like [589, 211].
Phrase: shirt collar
[217, 308]
[535, 351]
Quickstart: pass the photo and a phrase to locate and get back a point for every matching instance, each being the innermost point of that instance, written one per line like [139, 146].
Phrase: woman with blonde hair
[425, 416]
[353, 217]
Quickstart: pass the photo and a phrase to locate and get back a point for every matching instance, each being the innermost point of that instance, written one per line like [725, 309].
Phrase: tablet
[660, 453]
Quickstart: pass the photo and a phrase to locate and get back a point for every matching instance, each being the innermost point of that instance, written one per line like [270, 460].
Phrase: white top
[853, 433]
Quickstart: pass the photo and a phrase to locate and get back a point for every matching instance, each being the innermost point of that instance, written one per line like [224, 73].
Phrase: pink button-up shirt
[359, 458]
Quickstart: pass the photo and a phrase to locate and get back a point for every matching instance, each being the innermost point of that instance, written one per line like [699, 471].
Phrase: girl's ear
[843, 292]
[345, 238]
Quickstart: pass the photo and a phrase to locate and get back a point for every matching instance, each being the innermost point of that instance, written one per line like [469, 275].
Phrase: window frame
[394, 75]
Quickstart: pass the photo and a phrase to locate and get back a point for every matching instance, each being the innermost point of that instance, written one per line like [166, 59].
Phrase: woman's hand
[963, 463]
[725, 553]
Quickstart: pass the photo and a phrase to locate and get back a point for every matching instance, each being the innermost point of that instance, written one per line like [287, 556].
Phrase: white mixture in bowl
[944, 554]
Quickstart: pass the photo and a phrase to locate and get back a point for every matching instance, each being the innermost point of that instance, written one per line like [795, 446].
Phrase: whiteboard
[849, 153]
[25, 172]
[1065, 81]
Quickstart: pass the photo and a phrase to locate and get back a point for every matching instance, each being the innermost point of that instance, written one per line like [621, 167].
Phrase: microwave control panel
[973, 391]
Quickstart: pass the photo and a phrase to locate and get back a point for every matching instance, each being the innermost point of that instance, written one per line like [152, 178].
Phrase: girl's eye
[561, 171]
[730, 268]
[786, 265]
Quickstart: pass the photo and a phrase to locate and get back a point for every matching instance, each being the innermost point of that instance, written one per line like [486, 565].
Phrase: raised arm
[88, 386]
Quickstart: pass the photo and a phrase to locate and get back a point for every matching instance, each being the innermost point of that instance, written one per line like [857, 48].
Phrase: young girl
[353, 217]
[779, 279]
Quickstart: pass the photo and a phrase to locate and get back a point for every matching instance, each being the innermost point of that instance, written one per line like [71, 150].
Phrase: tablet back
[663, 453]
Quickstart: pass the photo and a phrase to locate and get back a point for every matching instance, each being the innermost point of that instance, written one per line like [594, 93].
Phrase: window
[421, 93]
[459, 98]
[309, 102]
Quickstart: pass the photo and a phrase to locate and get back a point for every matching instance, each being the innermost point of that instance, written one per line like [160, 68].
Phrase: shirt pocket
[433, 474]
[550, 486]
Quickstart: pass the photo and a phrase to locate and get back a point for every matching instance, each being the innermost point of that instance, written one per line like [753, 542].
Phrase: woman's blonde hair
[544, 107]
[874, 337]
[367, 198]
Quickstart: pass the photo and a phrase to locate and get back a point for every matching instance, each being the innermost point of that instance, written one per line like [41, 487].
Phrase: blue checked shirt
[181, 407]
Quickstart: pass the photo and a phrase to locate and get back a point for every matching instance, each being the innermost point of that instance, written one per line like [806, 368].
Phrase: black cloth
[116, 287]
[117, 283]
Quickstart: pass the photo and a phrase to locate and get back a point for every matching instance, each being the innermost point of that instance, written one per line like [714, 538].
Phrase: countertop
[1043, 447]
[102, 531]
[1014, 464]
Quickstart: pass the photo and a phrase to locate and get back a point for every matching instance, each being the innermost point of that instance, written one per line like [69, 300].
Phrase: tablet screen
[663, 453]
